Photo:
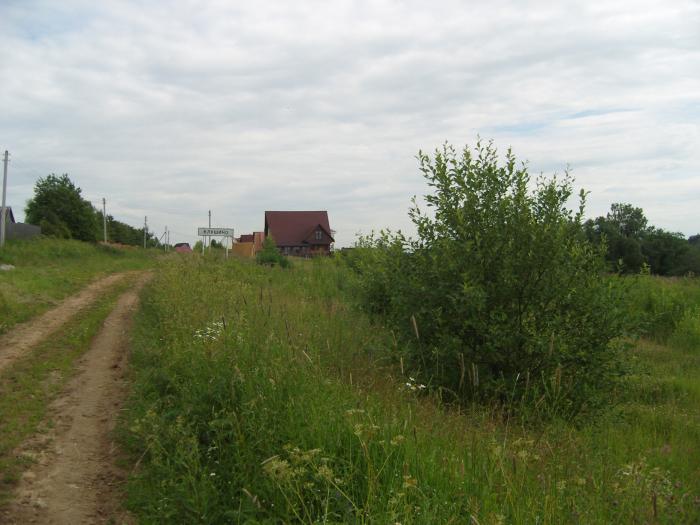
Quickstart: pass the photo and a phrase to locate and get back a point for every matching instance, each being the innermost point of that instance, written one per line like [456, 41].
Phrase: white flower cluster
[210, 332]
[413, 386]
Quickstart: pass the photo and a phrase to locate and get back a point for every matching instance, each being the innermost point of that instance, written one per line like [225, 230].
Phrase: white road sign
[215, 232]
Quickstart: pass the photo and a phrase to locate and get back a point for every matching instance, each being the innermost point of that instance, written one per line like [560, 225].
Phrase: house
[182, 247]
[18, 230]
[300, 233]
[249, 244]
[9, 216]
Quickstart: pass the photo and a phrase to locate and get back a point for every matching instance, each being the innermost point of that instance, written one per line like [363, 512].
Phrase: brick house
[300, 233]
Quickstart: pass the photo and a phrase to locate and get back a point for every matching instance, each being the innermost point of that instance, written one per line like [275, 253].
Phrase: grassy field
[29, 385]
[262, 396]
[48, 270]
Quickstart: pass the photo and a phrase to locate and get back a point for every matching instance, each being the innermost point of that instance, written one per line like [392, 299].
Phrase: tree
[502, 294]
[621, 231]
[666, 252]
[270, 255]
[629, 221]
[59, 208]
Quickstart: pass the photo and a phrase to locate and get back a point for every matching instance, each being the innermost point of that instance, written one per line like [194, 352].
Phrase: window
[319, 235]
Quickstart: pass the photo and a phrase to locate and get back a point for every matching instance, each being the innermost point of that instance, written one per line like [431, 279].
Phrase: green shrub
[502, 294]
[270, 255]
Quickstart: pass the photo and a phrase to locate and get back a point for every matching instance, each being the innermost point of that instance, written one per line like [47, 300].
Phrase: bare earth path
[24, 336]
[75, 479]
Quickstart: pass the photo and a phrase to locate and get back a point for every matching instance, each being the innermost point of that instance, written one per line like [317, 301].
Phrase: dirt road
[26, 335]
[75, 479]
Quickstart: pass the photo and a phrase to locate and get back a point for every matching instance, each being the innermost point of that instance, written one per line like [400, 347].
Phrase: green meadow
[48, 270]
[266, 395]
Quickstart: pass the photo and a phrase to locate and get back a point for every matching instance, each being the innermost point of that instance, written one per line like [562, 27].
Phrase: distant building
[19, 230]
[9, 216]
[249, 244]
[300, 233]
[182, 247]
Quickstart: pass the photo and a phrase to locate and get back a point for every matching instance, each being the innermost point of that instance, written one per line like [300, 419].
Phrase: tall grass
[260, 396]
[667, 309]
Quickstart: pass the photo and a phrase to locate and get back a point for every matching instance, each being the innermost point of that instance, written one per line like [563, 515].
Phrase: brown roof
[246, 237]
[292, 228]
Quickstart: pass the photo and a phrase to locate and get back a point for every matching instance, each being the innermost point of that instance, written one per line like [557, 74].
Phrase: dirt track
[75, 479]
[24, 336]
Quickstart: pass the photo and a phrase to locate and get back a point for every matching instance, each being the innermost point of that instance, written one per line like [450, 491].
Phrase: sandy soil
[74, 479]
[24, 336]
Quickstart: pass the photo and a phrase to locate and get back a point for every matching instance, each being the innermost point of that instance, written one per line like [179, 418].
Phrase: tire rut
[23, 337]
[74, 479]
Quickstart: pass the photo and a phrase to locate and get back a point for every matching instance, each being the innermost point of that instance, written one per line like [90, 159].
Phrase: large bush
[501, 293]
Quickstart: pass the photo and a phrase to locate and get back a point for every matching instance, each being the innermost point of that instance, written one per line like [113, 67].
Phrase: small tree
[59, 208]
[502, 295]
[270, 255]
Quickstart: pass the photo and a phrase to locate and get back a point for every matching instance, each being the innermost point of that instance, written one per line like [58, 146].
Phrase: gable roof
[291, 228]
[9, 216]
[308, 236]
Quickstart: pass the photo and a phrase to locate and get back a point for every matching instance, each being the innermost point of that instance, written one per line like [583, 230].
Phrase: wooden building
[300, 233]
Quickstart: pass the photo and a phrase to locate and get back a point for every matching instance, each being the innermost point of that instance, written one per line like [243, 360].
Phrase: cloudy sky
[169, 109]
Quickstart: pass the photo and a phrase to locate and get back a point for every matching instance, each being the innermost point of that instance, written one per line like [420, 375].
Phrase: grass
[261, 396]
[28, 386]
[48, 270]
[668, 308]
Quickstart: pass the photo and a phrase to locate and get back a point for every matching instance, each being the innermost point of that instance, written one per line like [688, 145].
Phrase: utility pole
[210, 227]
[145, 230]
[104, 217]
[3, 210]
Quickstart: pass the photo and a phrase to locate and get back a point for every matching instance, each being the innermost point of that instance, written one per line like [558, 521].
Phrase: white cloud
[174, 108]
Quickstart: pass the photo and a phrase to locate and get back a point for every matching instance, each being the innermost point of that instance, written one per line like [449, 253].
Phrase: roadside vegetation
[29, 385]
[263, 395]
[493, 370]
[48, 270]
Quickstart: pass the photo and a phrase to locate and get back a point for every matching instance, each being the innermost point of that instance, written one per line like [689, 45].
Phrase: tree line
[60, 209]
[632, 246]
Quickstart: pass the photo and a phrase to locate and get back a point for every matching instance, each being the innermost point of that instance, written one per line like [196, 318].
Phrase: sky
[171, 109]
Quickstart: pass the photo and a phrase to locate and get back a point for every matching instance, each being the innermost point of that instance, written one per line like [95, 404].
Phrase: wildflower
[397, 440]
[409, 482]
[277, 469]
[325, 472]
